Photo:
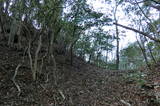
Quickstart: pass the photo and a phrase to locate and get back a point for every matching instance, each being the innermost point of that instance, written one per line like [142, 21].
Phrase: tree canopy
[74, 27]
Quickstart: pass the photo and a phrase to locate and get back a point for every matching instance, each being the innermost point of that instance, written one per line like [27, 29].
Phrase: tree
[93, 44]
[131, 57]
[82, 18]
[117, 35]
[144, 10]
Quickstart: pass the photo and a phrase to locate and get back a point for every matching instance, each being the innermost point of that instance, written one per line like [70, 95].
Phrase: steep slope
[79, 85]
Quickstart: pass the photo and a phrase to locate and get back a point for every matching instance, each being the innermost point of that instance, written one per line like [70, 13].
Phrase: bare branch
[140, 32]
[126, 103]
[61, 93]
[143, 1]
[151, 23]
[156, 7]
[133, 3]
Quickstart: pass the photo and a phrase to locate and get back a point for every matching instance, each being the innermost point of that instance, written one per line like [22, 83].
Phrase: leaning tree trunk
[144, 54]
[117, 38]
[150, 51]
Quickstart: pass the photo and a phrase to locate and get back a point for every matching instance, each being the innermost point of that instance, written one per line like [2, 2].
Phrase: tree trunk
[107, 53]
[51, 43]
[117, 36]
[2, 20]
[117, 50]
[71, 51]
[89, 60]
[150, 51]
[144, 54]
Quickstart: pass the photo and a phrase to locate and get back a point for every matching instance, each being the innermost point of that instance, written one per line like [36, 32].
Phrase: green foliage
[131, 57]
[111, 66]
[75, 23]
[154, 26]
[93, 44]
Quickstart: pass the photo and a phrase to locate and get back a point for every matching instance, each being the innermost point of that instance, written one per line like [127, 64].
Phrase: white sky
[102, 6]
[129, 36]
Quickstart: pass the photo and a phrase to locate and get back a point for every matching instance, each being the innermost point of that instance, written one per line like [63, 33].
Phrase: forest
[79, 53]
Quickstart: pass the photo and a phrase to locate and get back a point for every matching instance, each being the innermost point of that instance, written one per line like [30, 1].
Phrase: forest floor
[82, 84]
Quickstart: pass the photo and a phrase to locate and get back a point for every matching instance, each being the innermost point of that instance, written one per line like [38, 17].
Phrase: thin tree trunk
[117, 50]
[51, 57]
[117, 38]
[107, 57]
[71, 51]
[2, 20]
[73, 34]
[150, 51]
[97, 59]
[144, 54]
[51, 44]
[107, 53]
[89, 60]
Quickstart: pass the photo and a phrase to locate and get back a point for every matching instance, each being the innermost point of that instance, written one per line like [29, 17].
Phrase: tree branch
[140, 32]
[156, 7]
[155, 1]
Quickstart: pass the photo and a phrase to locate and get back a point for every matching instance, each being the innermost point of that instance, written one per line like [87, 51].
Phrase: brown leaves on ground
[78, 85]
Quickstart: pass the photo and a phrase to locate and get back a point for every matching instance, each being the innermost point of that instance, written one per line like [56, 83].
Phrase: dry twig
[13, 79]
[126, 103]
[61, 93]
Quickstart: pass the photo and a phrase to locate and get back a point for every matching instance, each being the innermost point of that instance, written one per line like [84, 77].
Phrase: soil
[82, 84]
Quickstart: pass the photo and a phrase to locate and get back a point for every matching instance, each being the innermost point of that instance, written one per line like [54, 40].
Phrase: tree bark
[117, 50]
[117, 38]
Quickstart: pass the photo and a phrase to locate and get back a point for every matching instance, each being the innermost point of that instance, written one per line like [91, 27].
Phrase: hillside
[76, 53]
[82, 84]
